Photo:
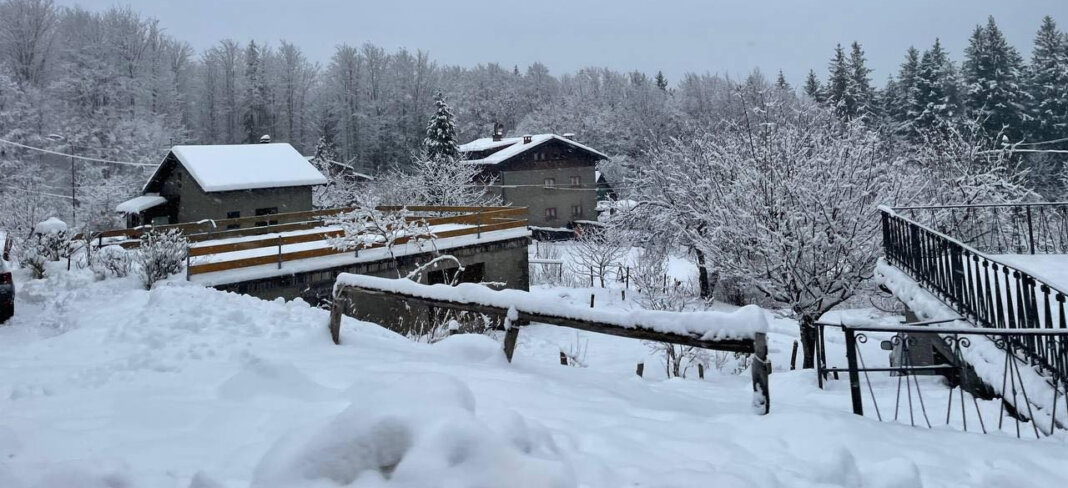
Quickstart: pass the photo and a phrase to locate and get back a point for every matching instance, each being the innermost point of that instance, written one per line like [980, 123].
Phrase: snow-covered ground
[103, 384]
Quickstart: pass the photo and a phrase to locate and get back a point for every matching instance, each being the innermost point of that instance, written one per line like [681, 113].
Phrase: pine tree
[839, 92]
[661, 81]
[992, 76]
[938, 92]
[780, 82]
[904, 100]
[440, 142]
[1047, 84]
[254, 119]
[861, 95]
[813, 87]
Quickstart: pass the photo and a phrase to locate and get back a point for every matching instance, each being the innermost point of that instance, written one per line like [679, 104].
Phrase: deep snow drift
[106, 385]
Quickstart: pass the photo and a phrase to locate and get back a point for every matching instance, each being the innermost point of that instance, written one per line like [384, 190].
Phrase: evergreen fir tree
[904, 99]
[839, 93]
[813, 87]
[938, 93]
[861, 95]
[992, 76]
[661, 81]
[440, 142]
[780, 82]
[1047, 84]
[254, 120]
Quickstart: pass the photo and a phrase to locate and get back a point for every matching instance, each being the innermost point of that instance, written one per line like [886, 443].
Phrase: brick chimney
[527, 138]
[498, 131]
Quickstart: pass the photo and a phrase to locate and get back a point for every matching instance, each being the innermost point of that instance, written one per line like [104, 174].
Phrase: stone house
[553, 176]
[194, 183]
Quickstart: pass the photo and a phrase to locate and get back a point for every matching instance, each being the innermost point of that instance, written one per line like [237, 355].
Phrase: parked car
[7, 283]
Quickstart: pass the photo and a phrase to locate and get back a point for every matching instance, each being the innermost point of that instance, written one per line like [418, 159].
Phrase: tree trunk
[703, 278]
[808, 342]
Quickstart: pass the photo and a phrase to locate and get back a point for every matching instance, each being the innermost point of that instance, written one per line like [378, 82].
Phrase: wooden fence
[757, 346]
[483, 219]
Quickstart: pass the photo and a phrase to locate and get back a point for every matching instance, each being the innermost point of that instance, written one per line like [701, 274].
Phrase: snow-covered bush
[368, 227]
[161, 255]
[111, 262]
[51, 241]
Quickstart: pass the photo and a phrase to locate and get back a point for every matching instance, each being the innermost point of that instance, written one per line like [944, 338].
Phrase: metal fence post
[1030, 230]
[279, 251]
[854, 375]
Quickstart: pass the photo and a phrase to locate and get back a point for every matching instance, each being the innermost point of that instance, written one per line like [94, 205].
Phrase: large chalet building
[553, 176]
[217, 182]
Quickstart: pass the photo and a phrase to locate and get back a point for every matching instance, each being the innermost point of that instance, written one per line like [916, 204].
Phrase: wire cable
[83, 158]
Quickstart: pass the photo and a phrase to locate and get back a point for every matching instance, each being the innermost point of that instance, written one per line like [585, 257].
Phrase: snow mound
[422, 432]
[50, 226]
[264, 378]
[475, 348]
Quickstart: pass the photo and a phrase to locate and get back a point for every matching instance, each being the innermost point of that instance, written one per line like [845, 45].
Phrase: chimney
[498, 131]
[569, 135]
[527, 138]
[266, 138]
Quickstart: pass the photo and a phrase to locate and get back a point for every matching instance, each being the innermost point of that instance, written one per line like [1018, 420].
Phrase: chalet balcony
[1001, 266]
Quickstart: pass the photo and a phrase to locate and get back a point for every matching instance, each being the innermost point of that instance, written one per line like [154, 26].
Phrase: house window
[550, 213]
[266, 211]
[576, 181]
[233, 215]
[576, 210]
[550, 182]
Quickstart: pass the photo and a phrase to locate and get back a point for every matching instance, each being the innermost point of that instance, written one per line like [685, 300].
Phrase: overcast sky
[676, 36]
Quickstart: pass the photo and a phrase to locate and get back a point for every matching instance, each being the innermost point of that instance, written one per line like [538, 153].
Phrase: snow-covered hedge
[161, 255]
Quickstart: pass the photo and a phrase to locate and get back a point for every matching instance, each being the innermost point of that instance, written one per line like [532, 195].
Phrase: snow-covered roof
[140, 204]
[514, 146]
[245, 166]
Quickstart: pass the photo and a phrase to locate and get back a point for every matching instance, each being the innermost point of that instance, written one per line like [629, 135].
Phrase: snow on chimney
[527, 138]
[498, 131]
[265, 139]
[569, 135]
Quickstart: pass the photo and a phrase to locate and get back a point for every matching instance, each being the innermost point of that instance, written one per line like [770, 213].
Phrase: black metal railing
[947, 353]
[984, 290]
[1011, 228]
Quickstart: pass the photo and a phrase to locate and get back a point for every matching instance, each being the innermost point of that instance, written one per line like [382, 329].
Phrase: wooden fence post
[510, 338]
[337, 309]
[279, 251]
[563, 358]
[701, 371]
[793, 357]
[641, 369]
[592, 296]
[760, 367]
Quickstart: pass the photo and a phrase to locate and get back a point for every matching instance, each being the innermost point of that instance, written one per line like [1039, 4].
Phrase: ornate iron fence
[984, 290]
[957, 348]
[1023, 228]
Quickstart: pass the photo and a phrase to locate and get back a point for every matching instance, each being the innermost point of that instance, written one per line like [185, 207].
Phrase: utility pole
[73, 195]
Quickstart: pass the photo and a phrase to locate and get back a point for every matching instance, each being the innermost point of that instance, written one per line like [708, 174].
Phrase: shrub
[161, 255]
[111, 262]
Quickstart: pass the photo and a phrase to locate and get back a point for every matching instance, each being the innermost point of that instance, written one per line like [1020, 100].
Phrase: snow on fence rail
[743, 330]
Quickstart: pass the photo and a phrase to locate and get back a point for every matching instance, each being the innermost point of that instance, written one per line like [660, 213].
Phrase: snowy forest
[114, 85]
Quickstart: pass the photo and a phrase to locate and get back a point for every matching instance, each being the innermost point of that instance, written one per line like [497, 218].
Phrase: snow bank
[743, 323]
[415, 432]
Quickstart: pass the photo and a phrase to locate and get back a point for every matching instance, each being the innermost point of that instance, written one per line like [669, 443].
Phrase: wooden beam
[642, 333]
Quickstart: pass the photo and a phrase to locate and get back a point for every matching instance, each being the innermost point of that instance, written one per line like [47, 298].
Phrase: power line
[22, 190]
[83, 158]
[1040, 143]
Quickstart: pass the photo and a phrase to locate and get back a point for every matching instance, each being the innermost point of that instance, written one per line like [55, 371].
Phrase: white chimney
[265, 139]
[569, 135]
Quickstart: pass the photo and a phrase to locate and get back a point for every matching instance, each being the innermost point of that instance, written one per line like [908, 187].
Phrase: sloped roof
[515, 146]
[229, 167]
[140, 204]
